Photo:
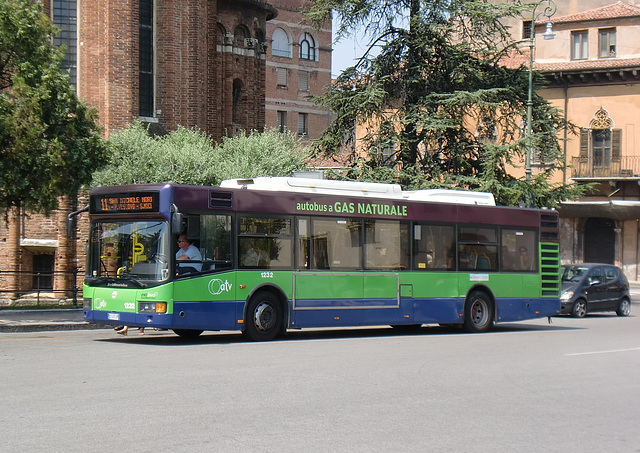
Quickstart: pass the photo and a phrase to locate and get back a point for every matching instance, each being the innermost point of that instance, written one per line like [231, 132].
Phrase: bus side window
[335, 243]
[433, 247]
[265, 242]
[215, 241]
[519, 250]
[386, 244]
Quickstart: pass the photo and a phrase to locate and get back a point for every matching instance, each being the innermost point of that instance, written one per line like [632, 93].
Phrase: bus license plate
[114, 316]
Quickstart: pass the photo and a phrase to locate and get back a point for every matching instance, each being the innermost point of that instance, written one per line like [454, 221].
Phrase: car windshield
[573, 273]
[128, 253]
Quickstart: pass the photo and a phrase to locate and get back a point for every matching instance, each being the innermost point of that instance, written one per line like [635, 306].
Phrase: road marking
[603, 352]
[29, 339]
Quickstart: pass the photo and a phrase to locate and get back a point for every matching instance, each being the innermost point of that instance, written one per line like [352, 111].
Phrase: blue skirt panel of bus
[371, 312]
[218, 315]
[327, 313]
[519, 309]
[225, 315]
[160, 321]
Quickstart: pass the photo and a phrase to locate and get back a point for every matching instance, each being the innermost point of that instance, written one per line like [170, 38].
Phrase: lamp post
[549, 10]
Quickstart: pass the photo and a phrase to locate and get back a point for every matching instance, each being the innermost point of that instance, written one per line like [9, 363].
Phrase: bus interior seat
[483, 263]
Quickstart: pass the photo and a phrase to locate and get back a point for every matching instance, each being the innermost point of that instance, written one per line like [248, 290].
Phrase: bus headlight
[86, 303]
[152, 307]
[567, 295]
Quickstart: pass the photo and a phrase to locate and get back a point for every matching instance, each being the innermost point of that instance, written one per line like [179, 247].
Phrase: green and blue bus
[322, 254]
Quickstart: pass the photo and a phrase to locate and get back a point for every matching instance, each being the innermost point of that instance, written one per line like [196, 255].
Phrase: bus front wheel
[478, 312]
[263, 320]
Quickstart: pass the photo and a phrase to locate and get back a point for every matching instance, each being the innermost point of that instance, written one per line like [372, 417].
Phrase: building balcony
[589, 168]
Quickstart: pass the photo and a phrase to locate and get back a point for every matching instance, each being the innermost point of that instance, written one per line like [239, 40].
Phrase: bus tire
[188, 334]
[263, 318]
[478, 312]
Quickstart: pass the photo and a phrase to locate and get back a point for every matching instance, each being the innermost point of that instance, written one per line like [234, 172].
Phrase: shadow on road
[168, 338]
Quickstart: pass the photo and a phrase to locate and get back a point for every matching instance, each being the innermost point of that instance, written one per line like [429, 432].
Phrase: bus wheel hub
[264, 317]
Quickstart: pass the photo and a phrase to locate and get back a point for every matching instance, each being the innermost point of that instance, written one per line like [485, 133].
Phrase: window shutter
[616, 145]
[303, 81]
[282, 77]
[584, 144]
[303, 124]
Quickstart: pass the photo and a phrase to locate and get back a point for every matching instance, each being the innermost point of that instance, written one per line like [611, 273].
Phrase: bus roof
[367, 189]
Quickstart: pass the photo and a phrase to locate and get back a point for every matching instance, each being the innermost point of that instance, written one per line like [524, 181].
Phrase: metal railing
[588, 167]
[38, 286]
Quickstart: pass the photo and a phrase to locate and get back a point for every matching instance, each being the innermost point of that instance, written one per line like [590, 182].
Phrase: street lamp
[549, 10]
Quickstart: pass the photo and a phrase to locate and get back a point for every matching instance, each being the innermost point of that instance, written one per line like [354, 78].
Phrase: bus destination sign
[125, 202]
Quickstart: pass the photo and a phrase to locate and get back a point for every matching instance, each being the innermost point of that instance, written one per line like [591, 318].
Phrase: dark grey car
[592, 287]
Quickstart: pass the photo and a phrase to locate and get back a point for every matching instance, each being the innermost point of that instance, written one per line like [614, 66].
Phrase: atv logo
[217, 286]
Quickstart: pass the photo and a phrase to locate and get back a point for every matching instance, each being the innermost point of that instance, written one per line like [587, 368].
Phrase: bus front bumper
[160, 321]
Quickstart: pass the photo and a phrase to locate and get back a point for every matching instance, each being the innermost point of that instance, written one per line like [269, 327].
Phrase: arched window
[307, 47]
[221, 34]
[600, 145]
[281, 44]
[238, 92]
[240, 34]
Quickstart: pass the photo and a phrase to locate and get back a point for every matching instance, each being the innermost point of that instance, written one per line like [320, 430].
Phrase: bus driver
[188, 251]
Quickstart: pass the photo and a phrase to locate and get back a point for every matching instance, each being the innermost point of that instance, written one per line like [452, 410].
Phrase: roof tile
[618, 10]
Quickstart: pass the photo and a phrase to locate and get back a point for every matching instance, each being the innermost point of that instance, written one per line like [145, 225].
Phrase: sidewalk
[41, 320]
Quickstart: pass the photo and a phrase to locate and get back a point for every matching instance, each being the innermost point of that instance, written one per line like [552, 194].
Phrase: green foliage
[438, 96]
[188, 156]
[49, 140]
[270, 153]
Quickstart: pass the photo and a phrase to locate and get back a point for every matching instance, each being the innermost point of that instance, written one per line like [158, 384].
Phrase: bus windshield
[128, 253]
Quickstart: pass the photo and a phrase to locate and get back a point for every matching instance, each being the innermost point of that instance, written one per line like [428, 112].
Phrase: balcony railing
[626, 167]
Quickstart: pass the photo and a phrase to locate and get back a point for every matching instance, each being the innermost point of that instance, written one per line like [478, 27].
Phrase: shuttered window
[282, 120]
[303, 80]
[303, 124]
[281, 74]
[604, 146]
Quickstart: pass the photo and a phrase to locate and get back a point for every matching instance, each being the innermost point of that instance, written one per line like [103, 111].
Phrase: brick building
[298, 67]
[167, 63]
[592, 71]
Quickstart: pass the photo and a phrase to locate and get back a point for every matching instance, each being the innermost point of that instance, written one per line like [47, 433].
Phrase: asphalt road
[573, 385]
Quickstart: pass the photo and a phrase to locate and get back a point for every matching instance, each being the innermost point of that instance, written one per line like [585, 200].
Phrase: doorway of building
[599, 241]
[43, 271]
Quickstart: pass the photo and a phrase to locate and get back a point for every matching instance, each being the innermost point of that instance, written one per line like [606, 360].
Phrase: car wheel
[579, 308]
[624, 308]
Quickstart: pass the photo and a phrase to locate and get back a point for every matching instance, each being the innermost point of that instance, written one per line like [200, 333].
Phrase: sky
[350, 49]
[346, 52]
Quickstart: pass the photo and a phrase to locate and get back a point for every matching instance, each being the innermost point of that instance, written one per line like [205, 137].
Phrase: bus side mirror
[69, 226]
[176, 222]
[70, 218]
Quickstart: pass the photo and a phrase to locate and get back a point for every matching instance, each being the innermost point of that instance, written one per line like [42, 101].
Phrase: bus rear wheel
[478, 312]
[263, 319]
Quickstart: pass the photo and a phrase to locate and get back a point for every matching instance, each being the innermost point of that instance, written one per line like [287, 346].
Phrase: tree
[439, 106]
[49, 141]
[270, 153]
[187, 156]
